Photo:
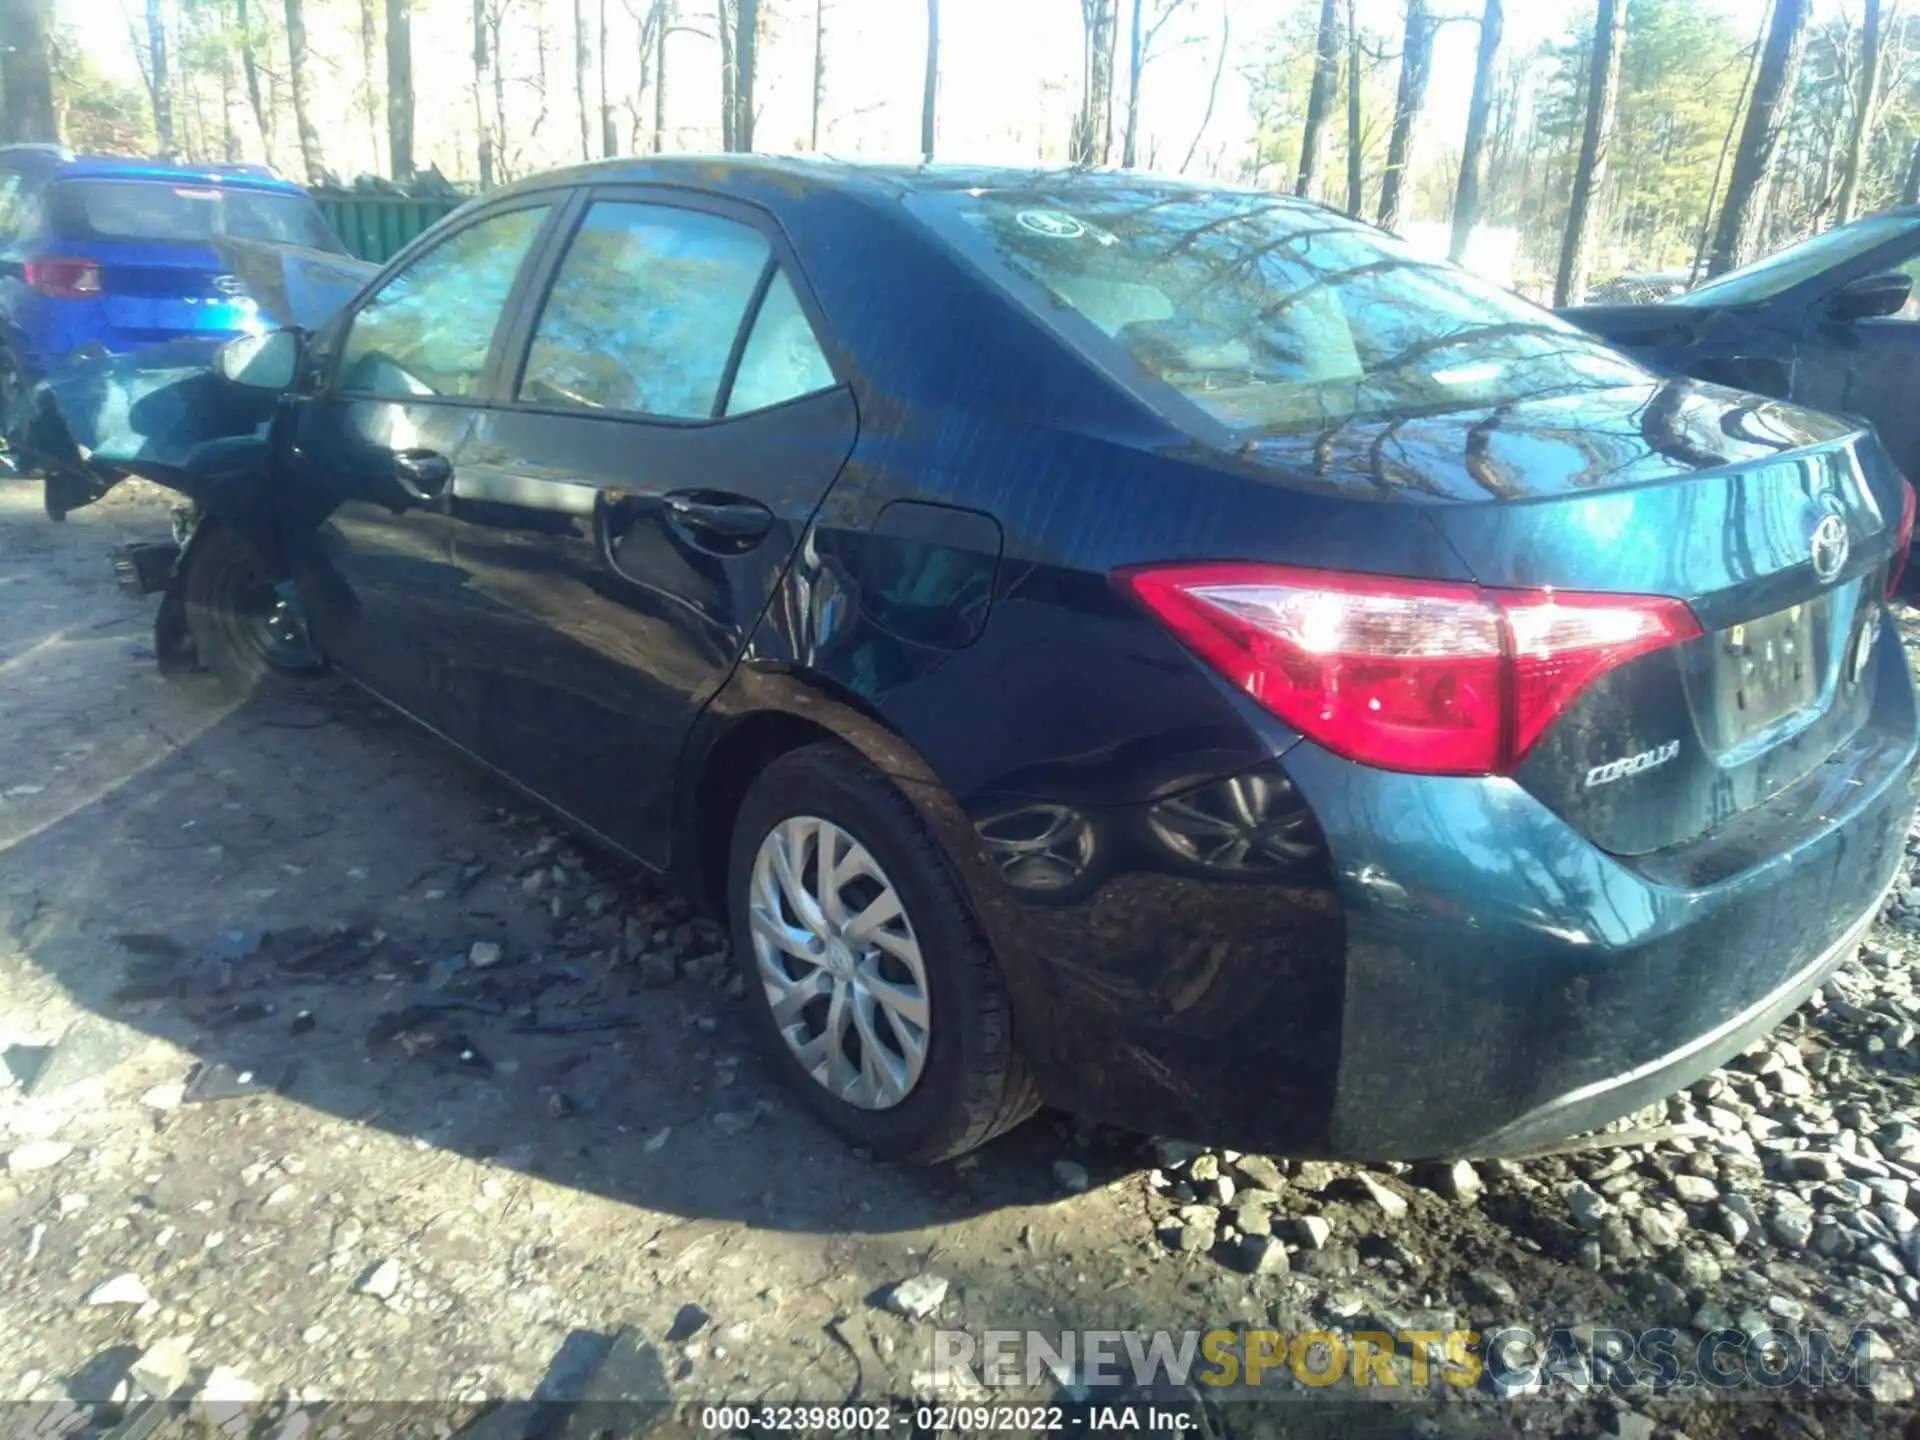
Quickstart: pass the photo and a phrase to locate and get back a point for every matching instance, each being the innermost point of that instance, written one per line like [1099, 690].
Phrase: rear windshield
[1781, 271]
[1269, 315]
[188, 214]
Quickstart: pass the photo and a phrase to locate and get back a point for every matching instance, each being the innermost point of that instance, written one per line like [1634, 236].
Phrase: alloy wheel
[839, 961]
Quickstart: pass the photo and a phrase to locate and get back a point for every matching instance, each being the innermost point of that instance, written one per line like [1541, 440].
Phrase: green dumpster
[378, 227]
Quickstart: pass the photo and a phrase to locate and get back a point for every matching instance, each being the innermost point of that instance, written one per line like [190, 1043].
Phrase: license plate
[1768, 668]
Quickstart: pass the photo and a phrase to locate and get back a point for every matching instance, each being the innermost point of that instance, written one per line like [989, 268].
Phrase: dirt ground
[455, 1181]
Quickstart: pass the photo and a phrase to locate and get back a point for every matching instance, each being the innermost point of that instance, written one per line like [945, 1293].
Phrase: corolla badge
[1632, 764]
[1829, 546]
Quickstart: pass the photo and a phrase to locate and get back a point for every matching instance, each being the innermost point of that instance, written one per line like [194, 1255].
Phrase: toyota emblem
[1829, 547]
[229, 285]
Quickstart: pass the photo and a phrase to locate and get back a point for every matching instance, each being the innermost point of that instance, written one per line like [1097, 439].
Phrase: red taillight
[1414, 675]
[1902, 538]
[64, 279]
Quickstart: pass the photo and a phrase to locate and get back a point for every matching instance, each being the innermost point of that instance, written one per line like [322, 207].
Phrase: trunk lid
[151, 292]
[1776, 526]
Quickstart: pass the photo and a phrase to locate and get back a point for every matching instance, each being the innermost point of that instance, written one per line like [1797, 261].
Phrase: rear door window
[782, 359]
[429, 328]
[185, 214]
[645, 311]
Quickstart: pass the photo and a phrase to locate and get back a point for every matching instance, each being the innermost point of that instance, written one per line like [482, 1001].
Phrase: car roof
[106, 167]
[800, 175]
[51, 162]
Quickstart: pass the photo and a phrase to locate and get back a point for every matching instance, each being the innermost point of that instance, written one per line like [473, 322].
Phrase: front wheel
[243, 628]
[867, 974]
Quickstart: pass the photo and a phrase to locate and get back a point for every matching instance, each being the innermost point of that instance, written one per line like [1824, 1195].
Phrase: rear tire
[934, 1089]
[241, 629]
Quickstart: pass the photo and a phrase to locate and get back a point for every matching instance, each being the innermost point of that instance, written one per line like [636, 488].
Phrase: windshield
[1270, 316]
[1779, 273]
[190, 214]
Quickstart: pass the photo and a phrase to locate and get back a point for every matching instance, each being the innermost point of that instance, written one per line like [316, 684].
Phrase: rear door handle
[718, 521]
[423, 474]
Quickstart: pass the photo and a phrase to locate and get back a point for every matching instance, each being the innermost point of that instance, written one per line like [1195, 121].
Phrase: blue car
[1169, 651]
[121, 253]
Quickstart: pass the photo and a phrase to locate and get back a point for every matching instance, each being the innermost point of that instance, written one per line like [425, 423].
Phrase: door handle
[718, 521]
[423, 474]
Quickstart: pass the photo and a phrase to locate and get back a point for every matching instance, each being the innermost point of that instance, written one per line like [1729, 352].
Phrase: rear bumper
[1576, 987]
[1460, 972]
[54, 350]
[1596, 1103]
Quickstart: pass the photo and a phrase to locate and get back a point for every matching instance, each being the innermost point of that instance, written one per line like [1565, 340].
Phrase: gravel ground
[333, 1076]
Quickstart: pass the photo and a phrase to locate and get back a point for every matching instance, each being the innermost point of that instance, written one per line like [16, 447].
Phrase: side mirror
[1869, 296]
[261, 362]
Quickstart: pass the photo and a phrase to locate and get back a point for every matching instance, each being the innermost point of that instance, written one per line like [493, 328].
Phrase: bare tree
[1356, 177]
[1326, 81]
[746, 47]
[250, 67]
[609, 137]
[1213, 90]
[582, 67]
[930, 94]
[729, 106]
[665, 8]
[159, 80]
[1145, 31]
[647, 19]
[400, 89]
[1590, 171]
[1741, 210]
[1092, 139]
[26, 71]
[1466, 196]
[1726, 143]
[1910, 186]
[311, 158]
[369, 75]
[229, 136]
[1863, 114]
[483, 134]
[819, 72]
[1136, 60]
[503, 153]
[1416, 55]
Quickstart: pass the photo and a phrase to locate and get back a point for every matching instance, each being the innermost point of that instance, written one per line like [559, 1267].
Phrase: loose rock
[1459, 1181]
[918, 1297]
[164, 1097]
[1260, 1172]
[163, 1368]
[121, 1290]
[382, 1282]
[1260, 1255]
[1313, 1231]
[37, 1155]
[1390, 1202]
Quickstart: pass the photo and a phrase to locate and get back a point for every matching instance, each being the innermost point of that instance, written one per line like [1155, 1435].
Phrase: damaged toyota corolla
[1163, 650]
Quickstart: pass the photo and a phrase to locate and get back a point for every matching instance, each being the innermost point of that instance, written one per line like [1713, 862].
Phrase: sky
[1009, 73]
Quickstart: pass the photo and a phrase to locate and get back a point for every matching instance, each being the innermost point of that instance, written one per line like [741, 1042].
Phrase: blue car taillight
[61, 278]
